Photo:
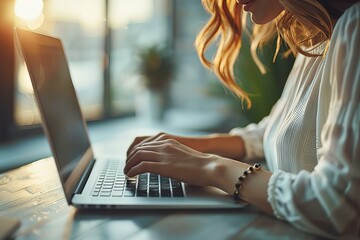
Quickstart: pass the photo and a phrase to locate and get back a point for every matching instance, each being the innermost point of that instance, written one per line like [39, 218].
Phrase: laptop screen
[58, 104]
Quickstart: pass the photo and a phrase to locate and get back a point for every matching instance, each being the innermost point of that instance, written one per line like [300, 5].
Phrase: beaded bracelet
[241, 179]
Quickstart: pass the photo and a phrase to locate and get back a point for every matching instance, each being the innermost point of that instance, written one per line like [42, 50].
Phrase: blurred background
[131, 61]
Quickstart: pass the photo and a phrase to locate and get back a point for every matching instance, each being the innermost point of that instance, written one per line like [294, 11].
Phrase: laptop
[96, 181]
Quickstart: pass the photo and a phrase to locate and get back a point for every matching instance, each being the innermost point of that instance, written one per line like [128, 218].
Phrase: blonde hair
[302, 25]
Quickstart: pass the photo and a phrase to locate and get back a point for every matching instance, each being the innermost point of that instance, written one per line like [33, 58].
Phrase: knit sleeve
[327, 200]
[252, 136]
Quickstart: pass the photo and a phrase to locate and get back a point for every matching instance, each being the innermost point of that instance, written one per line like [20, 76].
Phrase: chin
[255, 18]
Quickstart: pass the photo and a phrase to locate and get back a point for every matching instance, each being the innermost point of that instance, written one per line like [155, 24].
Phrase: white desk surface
[33, 194]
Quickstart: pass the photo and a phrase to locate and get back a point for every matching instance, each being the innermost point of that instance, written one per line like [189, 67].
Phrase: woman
[310, 140]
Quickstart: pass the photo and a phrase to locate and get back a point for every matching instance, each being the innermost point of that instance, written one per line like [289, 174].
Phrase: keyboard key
[177, 188]
[141, 193]
[165, 193]
[131, 183]
[165, 187]
[128, 193]
[105, 194]
[155, 187]
[154, 193]
[117, 193]
[178, 193]
[118, 187]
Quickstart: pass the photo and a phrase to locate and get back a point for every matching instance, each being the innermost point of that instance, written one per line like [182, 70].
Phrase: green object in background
[265, 89]
[156, 66]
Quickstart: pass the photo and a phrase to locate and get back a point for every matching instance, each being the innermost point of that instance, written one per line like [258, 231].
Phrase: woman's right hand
[169, 158]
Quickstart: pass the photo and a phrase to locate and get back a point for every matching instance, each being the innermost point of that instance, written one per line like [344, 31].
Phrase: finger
[175, 172]
[145, 147]
[136, 141]
[141, 140]
[139, 156]
[165, 148]
[171, 146]
[157, 137]
[152, 167]
[154, 145]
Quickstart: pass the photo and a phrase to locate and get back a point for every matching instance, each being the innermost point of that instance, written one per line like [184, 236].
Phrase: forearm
[223, 145]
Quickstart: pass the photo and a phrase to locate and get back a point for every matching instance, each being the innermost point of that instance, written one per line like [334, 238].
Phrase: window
[101, 40]
[81, 26]
[134, 24]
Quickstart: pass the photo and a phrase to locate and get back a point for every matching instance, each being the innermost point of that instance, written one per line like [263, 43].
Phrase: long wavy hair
[302, 25]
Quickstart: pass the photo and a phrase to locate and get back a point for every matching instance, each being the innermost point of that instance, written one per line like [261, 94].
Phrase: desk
[33, 194]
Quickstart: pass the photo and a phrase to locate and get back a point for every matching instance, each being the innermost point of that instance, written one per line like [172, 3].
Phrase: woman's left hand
[171, 159]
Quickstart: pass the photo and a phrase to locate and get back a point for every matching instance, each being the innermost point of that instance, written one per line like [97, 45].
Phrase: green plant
[265, 89]
[156, 67]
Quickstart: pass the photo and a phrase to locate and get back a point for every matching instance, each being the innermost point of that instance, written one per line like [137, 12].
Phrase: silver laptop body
[89, 181]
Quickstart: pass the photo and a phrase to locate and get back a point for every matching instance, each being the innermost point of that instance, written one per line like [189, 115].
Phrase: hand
[168, 157]
[142, 139]
[171, 159]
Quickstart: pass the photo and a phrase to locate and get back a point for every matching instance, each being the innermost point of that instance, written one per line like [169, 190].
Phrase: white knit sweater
[311, 139]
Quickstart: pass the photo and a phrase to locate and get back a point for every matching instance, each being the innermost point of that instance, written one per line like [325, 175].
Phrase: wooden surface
[34, 195]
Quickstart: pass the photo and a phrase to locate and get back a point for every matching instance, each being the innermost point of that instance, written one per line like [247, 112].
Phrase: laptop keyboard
[112, 182]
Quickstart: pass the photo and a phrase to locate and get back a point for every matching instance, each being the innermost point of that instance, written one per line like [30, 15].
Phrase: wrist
[224, 173]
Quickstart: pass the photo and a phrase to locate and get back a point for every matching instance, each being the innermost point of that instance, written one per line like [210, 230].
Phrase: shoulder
[348, 23]
[345, 40]
[341, 68]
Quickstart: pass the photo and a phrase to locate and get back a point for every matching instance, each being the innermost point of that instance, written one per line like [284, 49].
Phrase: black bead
[241, 178]
[251, 168]
[237, 185]
[245, 173]
[257, 165]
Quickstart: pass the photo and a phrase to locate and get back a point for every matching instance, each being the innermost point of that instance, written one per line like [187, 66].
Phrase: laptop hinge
[84, 177]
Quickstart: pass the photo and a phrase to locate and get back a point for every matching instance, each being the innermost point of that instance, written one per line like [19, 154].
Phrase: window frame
[7, 66]
[9, 130]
